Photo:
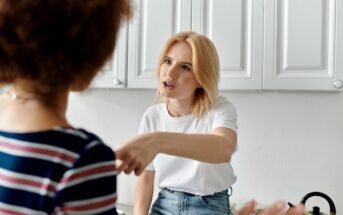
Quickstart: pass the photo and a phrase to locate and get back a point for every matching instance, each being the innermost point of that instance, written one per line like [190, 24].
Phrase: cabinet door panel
[155, 21]
[236, 29]
[113, 74]
[339, 46]
[300, 44]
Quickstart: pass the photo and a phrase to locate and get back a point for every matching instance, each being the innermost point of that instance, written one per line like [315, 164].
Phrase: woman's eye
[167, 61]
[185, 67]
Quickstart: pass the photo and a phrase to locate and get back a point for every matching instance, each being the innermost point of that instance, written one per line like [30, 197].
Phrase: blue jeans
[171, 202]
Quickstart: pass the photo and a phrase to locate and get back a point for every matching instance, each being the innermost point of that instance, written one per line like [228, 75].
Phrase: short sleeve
[144, 125]
[150, 167]
[89, 187]
[225, 115]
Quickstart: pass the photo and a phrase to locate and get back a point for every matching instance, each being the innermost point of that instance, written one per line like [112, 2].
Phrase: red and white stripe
[89, 206]
[39, 151]
[34, 184]
[83, 174]
[7, 209]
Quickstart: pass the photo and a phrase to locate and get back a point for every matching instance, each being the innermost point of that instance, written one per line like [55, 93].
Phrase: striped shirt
[58, 171]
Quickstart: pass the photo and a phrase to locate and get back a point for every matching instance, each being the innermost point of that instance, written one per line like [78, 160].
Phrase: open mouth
[168, 84]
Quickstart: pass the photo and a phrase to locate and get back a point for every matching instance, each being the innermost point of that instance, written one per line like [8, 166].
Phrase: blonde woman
[190, 136]
[193, 123]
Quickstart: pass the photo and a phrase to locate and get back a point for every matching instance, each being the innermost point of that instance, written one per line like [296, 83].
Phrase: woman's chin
[167, 93]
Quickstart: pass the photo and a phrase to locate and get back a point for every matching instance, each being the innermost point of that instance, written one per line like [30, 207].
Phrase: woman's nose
[172, 71]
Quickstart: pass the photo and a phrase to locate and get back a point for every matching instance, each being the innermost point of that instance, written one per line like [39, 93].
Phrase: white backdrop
[290, 143]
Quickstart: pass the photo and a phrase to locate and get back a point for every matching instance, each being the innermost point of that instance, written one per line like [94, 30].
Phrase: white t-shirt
[187, 175]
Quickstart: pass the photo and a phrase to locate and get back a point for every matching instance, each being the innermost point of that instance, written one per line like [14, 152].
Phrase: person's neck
[178, 108]
[42, 112]
[23, 91]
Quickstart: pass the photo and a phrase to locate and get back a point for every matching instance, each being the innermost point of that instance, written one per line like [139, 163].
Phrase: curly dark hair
[58, 43]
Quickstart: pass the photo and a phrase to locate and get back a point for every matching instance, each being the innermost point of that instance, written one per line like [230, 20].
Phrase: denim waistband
[180, 193]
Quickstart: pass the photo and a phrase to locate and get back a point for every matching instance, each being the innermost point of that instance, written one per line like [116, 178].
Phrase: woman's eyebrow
[182, 62]
[187, 63]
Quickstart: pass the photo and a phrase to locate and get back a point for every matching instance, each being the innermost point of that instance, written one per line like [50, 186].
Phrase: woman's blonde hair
[205, 68]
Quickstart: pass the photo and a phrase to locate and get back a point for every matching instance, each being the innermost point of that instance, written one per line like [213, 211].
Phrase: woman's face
[177, 80]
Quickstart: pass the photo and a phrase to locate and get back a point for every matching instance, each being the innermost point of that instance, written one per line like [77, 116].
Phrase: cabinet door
[113, 75]
[303, 44]
[236, 28]
[154, 22]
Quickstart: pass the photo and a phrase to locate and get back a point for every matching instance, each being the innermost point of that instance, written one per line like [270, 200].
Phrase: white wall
[290, 143]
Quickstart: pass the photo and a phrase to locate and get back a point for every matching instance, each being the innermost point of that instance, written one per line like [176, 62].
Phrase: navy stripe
[93, 155]
[26, 199]
[40, 168]
[89, 189]
[54, 138]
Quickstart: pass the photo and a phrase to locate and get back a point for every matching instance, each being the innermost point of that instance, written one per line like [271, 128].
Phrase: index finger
[248, 209]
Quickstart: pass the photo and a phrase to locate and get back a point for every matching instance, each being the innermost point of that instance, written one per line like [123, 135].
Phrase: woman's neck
[178, 108]
[21, 109]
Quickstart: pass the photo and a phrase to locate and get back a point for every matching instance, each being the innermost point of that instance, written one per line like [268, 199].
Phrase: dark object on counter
[316, 209]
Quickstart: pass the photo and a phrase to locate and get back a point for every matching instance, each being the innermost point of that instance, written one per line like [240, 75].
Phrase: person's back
[48, 171]
[48, 48]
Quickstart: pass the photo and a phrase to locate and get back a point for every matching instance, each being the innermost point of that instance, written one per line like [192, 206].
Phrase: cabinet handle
[116, 82]
[338, 84]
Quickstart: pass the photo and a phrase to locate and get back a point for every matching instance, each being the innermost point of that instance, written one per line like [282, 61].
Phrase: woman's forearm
[143, 193]
[210, 148]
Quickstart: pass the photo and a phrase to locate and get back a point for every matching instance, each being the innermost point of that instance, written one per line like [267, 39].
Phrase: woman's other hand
[275, 209]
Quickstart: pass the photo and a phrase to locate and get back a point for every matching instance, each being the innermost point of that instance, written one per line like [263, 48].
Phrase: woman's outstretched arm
[138, 152]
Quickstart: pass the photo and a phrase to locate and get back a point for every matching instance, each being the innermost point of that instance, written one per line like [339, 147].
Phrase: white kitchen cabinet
[113, 74]
[275, 44]
[262, 44]
[303, 44]
[236, 29]
[234, 26]
[155, 21]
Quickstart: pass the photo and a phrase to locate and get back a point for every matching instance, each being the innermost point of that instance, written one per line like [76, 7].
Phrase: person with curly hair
[47, 49]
